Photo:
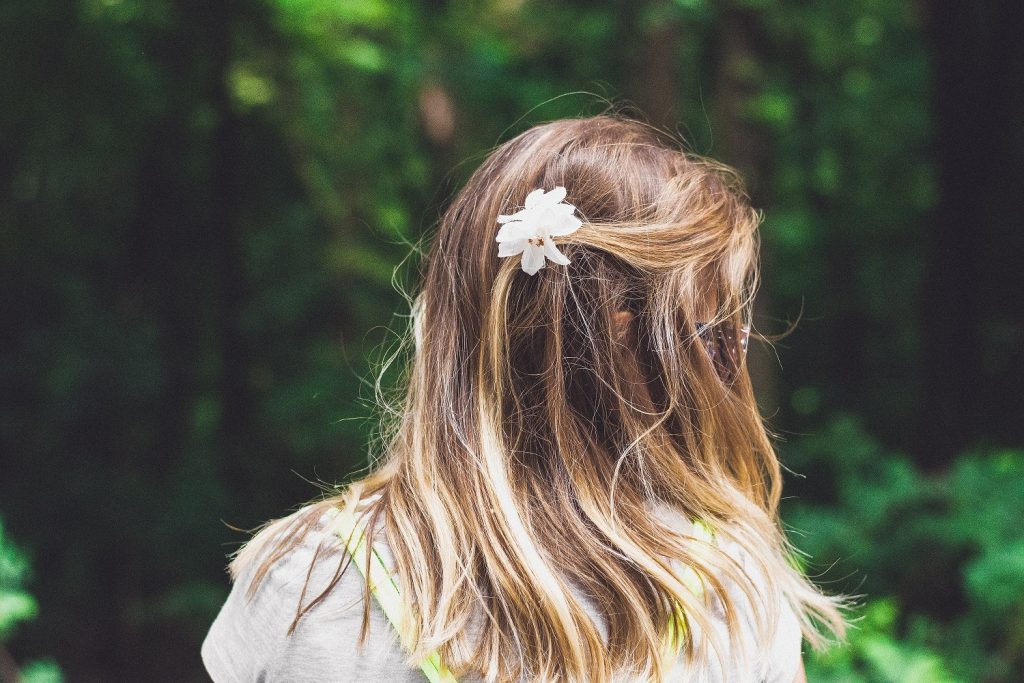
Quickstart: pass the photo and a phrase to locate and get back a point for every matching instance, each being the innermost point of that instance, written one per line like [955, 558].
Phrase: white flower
[531, 230]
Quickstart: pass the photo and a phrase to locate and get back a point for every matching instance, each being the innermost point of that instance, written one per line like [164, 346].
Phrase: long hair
[545, 418]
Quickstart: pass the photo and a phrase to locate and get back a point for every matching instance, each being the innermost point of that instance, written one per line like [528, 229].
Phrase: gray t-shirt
[248, 641]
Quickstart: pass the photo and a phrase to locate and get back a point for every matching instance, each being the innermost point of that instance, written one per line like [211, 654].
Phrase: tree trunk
[973, 327]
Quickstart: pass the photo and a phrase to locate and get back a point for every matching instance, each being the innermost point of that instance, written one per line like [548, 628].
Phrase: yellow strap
[693, 581]
[385, 589]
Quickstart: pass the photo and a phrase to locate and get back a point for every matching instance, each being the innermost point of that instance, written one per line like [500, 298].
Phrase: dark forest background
[202, 207]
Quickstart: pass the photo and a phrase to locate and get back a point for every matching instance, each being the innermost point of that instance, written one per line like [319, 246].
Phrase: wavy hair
[543, 420]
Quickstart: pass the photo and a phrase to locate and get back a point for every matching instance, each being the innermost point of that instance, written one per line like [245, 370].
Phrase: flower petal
[517, 216]
[514, 231]
[533, 259]
[556, 195]
[511, 248]
[534, 198]
[551, 251]
[565, 225]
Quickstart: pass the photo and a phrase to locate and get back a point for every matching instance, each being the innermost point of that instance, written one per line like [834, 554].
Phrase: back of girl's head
[590, 357]
[547, 418]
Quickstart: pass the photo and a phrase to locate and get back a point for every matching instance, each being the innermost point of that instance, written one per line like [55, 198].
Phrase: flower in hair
[531, 231]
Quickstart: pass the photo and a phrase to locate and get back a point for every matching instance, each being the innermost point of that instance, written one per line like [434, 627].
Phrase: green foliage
[947, 549]
[42, 671]
[16, 604]
[876, 653]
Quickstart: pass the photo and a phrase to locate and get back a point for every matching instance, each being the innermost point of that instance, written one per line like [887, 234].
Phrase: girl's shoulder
[775, 659]
[287, 567]
[293, 561]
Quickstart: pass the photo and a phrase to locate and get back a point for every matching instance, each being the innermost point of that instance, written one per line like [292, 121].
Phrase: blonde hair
[545, 417]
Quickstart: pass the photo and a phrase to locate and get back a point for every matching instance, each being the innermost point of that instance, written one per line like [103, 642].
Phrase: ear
[622, 322]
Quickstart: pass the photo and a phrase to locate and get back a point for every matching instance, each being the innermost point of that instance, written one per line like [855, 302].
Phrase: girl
[578, 485]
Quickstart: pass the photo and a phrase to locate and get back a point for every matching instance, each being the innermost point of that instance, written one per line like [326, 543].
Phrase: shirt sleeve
[781, 655]
[784, 654]
[249, 639]
[245, 640]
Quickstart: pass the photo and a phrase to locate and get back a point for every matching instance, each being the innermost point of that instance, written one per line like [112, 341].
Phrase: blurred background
[203, 206]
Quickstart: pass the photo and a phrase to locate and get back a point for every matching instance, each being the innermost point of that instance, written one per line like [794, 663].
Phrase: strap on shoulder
[692, 580]
[384, 587]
